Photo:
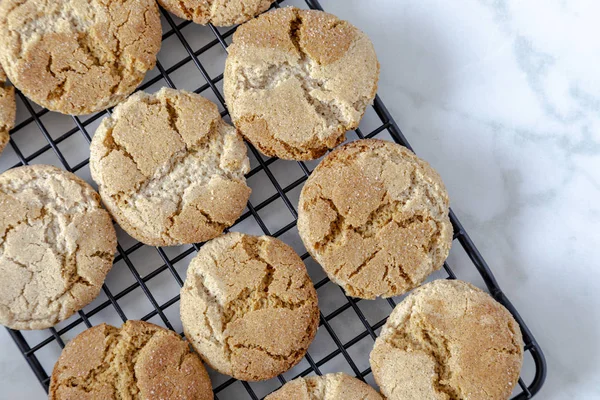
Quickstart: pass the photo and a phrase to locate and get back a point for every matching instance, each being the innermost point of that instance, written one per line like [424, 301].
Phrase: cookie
[448, 340]
[8, 110]
[296, 80]
[75, 56]
[375, 216]
[169, 169]
[56, 246]
[248, 306]
[338, 386]
[138, 361]
[216, 12]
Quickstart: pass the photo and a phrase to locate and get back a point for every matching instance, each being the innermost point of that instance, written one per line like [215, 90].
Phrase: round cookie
[76, 56]
[448, 340]
[296, 80]
[375, 216]
[248, 306]
[140, 360]
[56, 246]
[216, 12]
[338, 386]
[8, 110]
[169, 169]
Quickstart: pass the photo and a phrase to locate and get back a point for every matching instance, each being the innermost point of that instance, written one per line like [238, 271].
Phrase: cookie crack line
[279, 357]
[420, 339]
[112, 145]
[363, 264]
[209, 219]
[335, 226]
[173, 116]
[209, 298]
[134, 42]
[189, 153]
[295, 27]
[293, 355]
[188, 12]
[441, 353]
[259, 297]
[132, 360]
[338, 226]
[308, 82]
[514, 335]
[86, 382]
[505, 350]
[289, 149]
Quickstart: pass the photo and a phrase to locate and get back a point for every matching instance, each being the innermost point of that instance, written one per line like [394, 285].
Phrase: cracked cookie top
[448, 340]
[169, 169]
[296, 80]
[338, 386]
[216, 12]
[78, 56]
[8, 110]
[248, 306]
[375, 216]
[138, 361]
[56, 246]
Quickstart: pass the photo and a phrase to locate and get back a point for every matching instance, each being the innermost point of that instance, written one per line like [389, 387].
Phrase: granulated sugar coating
[297, 80]
[375, 216]
[248, 306]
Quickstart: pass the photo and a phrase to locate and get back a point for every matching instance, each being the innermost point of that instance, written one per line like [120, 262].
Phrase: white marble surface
[503, 98]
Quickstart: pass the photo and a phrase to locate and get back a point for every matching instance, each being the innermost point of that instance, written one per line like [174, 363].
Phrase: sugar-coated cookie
[169, 169]
[56, 246]
[375, 216]
[296, 80]
[78, 56]
[138, 361]
[248, 306]
[448, 340]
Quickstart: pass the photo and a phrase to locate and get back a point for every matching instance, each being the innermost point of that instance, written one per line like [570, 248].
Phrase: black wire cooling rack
[348, 326]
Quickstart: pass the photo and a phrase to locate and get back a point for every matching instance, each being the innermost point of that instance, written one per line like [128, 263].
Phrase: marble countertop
[502, 97]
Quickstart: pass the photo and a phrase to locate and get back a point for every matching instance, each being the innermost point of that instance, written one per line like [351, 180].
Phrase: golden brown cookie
[297, 80]
[8, 110]
[56, 246]
[448, 340]
[338, 386]
[138, 361]
[375, 216]
[248, 306]
[78, 56]
[169, 169]
[216, 12]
